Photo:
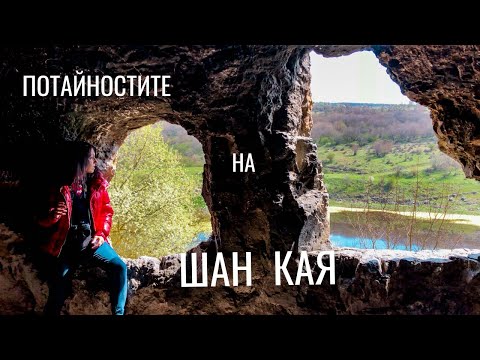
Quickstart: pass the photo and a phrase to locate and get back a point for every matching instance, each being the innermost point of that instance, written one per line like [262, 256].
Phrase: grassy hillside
[391, 179]
[187, 146]
[370, 152]
[196, 173]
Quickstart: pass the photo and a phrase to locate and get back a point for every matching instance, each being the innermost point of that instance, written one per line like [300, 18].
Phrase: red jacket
[56, 230]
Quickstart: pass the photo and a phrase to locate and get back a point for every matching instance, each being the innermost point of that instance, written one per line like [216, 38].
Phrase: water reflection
[394, 231]
[363, 243]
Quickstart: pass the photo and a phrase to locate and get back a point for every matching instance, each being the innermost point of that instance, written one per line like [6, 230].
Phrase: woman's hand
[97, 241]
[60, 210]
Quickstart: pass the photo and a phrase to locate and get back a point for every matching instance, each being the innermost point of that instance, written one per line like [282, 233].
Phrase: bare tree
[397, 228]
[355, 148]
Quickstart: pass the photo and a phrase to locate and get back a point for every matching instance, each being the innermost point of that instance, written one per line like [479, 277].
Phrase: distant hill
[345, 123]
[317, 106]
[335, 123]
[188, 146]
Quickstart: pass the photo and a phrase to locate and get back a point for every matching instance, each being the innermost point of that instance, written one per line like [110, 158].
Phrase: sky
[357, 78]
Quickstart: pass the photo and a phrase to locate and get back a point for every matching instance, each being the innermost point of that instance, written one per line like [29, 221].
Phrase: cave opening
[390, 186]
[156, 193]
[241, 99]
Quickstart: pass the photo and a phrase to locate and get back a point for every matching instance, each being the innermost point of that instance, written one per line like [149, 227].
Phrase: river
[460, 231]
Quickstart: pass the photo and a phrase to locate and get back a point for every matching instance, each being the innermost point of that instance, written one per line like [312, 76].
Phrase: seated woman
[75, 222]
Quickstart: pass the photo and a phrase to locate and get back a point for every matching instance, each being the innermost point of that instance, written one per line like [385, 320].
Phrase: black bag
[81, 235]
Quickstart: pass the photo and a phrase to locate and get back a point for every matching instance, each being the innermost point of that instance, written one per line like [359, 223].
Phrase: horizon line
[371, 103]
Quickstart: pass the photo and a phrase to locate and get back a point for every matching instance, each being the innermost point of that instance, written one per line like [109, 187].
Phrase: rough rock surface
[366, 282]
[235, 99]
[446, 79]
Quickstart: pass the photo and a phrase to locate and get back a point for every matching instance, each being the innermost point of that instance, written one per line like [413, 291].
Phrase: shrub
[153, 198]
[330, 156]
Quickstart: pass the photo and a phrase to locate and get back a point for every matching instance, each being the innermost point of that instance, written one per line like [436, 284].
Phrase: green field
[347, 177]
[196, 172]
[350, 178]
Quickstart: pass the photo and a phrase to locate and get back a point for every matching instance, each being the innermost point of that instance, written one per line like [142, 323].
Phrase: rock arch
[233, 99]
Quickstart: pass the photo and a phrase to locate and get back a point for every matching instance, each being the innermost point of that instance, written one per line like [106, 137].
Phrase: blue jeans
[66, 264]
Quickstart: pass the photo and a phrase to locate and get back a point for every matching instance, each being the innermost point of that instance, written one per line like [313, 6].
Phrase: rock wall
[236, 99]
[233, 99]
[366, 282]
[446, 79]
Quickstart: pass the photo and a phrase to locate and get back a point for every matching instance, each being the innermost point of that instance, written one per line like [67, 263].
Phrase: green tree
[330, 157]
[153, 198]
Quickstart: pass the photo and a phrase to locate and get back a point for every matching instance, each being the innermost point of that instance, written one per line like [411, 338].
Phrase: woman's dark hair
[80, 153]
[71, 159]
